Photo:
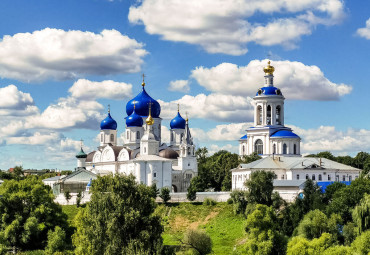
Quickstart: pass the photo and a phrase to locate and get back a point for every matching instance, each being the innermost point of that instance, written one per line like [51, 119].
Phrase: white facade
[142, 153]
[269, 136]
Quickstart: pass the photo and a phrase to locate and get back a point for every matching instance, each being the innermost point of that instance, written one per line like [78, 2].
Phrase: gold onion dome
[150, 120]
[269, 70]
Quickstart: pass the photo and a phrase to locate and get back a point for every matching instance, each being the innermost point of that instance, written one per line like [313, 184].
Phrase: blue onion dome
[142, 101]
[134, 120]
[284, 134]
[108, 123]
[178, 122]
[269, 91]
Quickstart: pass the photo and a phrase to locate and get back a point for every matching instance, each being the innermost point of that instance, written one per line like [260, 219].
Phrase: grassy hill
[225, 229]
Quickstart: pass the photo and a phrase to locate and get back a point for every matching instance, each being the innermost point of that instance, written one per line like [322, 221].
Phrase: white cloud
[58, 54]
[227, 26]
[295, 79]
[365, 31]
[14, 102]
[228, 147]
[89, 90]
[179, 85]
[213, 107]
[36, 139]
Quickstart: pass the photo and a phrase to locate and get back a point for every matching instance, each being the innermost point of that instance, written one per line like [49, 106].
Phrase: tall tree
[120, 214]
[361, 214]
[28, 212]
[260, 187]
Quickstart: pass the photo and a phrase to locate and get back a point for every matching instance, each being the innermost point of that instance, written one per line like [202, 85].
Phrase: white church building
[143, 154]
[280, 148]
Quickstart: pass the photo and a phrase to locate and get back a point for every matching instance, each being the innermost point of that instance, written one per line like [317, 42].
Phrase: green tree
[361, 214]
[56, 241]
[78, 199]
[240, 201]
[315, 223]
[250, 158]
[197, 184]
[361, 245]
[345, 199]
[260, 187]
[262, 232]
[302, 246]
[349, 233]
[155, 190]
[18, 171]
[28, 212]
[120, 214]
[165, 195]
[198, 241]
[331, 189]
[201, 154]
[67, 195]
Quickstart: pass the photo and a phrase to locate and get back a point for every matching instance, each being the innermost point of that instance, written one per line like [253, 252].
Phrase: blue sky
[63, 62]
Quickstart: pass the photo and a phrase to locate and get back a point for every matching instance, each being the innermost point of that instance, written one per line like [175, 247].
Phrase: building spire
[150, 120]
[108, 108]
[143, 83]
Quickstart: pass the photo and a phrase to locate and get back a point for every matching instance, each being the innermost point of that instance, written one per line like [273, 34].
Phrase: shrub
[56, 241]
[198, 241]
[209, 201]
[240, 202]
[165, 195]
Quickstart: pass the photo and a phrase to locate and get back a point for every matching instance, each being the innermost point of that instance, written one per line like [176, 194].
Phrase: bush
[56, 241]
[165, 195]
[239, 199]
[229, 201]
[209, 201]
[198, 241]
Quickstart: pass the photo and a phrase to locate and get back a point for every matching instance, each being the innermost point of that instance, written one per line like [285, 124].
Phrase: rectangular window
[329, 177]
[297, 176]
[154, 174]
[344, 178]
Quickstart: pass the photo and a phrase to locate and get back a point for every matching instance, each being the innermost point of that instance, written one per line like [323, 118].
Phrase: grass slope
[224, 228]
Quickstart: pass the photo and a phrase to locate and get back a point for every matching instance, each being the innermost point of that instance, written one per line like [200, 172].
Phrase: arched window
[344, 178]
[259, 115]
[278, 113]
[101, 137]
[295, 149]
[313, 177]
[268, 115]
[282, 177]
[350, 178]
[171, 136]
[258, 146]
[274, 149]
[329, 177]
[320, 177]
[297, 176]
[138, 135]
[307, 177]
[243, 150]
[181, 137]
[111, 138]
[284, 148]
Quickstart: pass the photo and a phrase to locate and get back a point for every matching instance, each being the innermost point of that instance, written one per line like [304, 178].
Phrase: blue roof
[324, 185]
[108, 123]
[178, 122]
[284, 133]
[141, 102]
[134, 120]
[243, 137]
[269, 91]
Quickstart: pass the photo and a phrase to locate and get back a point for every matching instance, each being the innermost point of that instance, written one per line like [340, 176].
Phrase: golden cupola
[150, 120]
[269, 69]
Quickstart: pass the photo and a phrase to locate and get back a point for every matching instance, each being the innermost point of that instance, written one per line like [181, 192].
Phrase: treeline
[361, 160]
[335, 222]
[214, 171]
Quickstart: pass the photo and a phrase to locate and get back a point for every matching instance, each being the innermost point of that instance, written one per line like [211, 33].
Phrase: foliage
[260, 187]
[78, 198]
[67, 195]
[338, 250]
[214, 171]
[361, 245]
[300, 245]
[345, 199]
[361, 214]
[240, 201]
[196, 185]
[209, 201]
[349, 233]
[18, 171]
[331, 189]
[250, 158]
[199, 241]
[315, 223]
[66, 172]
[56, 241]
[262, 232]
[28, 212]
[120, 214]
[165, 195]
[155, 190]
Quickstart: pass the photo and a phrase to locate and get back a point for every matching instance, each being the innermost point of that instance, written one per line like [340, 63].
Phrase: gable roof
[81, 175]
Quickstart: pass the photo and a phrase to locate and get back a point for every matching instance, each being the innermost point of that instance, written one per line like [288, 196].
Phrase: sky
[63, 62]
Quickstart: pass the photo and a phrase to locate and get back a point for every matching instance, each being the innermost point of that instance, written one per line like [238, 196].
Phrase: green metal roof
[81, 154]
